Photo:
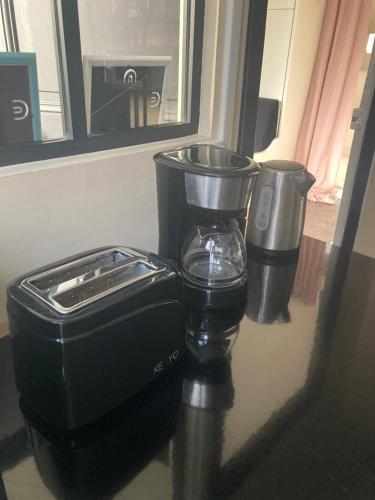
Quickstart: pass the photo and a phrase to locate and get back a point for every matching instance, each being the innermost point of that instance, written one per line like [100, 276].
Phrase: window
[31, 91]
[100, 74]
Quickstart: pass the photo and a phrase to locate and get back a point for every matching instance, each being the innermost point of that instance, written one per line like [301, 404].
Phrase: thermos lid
[284, 165]
[206, 159]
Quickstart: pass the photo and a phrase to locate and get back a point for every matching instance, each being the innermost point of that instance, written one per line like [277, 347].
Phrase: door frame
[256, 29]
[361, 158]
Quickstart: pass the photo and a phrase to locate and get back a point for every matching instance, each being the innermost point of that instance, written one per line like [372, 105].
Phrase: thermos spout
[304, 182]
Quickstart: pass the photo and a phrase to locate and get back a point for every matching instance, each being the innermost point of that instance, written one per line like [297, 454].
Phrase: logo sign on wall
[123, 98]
[19, 99]
[124, 92]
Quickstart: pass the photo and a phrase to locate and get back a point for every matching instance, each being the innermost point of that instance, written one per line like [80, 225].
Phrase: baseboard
[4, 329]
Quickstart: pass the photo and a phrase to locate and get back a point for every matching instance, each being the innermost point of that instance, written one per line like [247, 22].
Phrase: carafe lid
[206, 159]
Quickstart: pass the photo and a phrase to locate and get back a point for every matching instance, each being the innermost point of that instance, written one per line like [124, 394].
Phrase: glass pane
[135, 62]
[31, 100]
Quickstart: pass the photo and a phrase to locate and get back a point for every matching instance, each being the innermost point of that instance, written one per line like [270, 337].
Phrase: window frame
[81, 142]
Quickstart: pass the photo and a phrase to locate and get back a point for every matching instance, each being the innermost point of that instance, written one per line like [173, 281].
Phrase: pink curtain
[308, 280]
[329, 101]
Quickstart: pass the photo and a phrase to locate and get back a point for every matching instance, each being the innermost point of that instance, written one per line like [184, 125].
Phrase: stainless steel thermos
[278, 205]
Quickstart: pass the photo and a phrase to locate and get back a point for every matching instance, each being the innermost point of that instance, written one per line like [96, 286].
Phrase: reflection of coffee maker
[210, 334]
[203, 198]
[208, 394]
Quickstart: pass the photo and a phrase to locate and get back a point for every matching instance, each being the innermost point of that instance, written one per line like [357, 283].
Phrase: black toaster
[90, 331]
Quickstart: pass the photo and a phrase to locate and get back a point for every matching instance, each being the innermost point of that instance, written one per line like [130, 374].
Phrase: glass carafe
[214, 255]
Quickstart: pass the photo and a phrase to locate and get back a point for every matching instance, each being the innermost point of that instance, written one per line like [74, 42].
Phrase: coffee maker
[203, 197]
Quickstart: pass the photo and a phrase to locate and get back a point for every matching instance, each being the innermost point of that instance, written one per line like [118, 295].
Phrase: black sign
[16, 119]
[124, 97]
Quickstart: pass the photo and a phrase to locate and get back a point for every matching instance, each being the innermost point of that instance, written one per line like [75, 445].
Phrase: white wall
[305, 38]
[79, 204]
[277, 39]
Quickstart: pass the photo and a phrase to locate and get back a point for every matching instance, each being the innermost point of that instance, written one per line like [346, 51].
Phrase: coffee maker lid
[206, 159]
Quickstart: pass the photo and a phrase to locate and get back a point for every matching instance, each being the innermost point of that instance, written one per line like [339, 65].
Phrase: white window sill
[68, 161]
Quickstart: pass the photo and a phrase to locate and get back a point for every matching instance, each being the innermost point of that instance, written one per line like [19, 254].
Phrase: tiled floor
[320, 221]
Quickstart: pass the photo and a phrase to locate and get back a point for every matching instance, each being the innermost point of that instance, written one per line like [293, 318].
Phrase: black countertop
[288, 413]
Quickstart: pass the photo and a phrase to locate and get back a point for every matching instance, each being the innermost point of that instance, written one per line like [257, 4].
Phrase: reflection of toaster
[90, 331]
[99, 460]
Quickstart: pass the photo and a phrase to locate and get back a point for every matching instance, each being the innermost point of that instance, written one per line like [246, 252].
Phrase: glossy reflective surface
[284, 410]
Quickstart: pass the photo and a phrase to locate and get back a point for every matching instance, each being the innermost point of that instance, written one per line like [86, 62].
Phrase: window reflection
[135, 62]
[31, 101]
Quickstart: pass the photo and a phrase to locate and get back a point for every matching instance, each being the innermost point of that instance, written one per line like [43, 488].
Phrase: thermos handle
[310, 180]
[304, 182]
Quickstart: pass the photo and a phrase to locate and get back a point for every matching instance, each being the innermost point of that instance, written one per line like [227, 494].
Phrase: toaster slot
[79, 270]
[83, 281]
[98, 287]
